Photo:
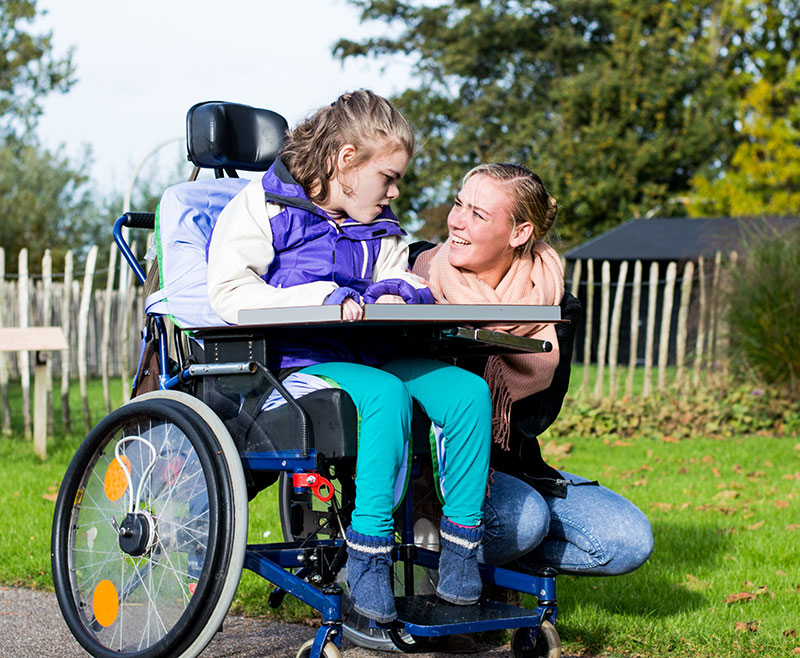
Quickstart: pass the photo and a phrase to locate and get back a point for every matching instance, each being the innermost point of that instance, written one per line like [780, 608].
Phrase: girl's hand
[390, 299]
[352, 310]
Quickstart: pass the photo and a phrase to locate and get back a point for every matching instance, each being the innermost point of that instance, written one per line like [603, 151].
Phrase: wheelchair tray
[441, 331]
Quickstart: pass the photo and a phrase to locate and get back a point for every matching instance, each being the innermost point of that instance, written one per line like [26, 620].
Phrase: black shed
[661, 241]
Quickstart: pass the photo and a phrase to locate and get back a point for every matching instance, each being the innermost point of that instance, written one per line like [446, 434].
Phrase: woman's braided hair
[361, 118]
[530, 201]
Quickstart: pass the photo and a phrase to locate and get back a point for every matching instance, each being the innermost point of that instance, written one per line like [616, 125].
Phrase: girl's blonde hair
[530, 201]
[361, 118]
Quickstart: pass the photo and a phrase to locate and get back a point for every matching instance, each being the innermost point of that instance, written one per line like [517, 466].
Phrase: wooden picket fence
[677, 320]
[102, 326]
[683, 326]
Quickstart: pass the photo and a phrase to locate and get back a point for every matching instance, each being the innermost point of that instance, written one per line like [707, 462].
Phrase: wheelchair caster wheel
[328, 651]
[545, 644]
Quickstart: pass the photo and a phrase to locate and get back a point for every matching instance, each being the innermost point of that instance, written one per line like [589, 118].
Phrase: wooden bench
[40, 340]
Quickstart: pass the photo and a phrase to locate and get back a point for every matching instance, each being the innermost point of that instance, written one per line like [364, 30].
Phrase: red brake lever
[315, 481]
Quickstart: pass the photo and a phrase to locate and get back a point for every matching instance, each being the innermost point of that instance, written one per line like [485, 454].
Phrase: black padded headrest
[223, 135]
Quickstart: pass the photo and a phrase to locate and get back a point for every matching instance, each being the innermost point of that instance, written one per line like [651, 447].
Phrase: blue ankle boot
[369, 573]
[459, 580]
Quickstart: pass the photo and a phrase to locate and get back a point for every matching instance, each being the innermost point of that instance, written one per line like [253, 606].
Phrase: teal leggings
[455, 399]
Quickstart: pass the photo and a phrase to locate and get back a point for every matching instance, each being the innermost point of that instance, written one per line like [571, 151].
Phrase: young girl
[317, 229]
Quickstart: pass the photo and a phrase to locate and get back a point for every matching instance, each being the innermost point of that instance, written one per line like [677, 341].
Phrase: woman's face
[482, 238]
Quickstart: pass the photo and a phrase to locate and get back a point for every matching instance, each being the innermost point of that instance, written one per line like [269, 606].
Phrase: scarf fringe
[501, 404]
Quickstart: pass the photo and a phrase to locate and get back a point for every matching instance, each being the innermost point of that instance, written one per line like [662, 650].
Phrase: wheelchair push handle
[145, 220]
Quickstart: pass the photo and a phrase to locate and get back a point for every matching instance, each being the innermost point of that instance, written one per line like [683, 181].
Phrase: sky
[141, 65]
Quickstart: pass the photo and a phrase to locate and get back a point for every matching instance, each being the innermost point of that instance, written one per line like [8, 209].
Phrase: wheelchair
[150, 527]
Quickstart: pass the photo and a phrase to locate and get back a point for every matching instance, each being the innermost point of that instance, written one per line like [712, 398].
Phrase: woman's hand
[352, 310]
[390, 299]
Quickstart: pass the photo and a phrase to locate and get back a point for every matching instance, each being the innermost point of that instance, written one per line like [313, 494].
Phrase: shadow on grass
[593, 610]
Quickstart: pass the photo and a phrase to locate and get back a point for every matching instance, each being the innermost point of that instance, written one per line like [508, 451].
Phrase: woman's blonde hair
[530, 201]
[361, 118]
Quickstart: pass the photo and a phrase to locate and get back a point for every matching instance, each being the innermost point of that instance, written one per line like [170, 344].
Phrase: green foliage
[28, 68]
[45, 203]
[724, 413]
[764, 310]
[764, 176]
[616, 105]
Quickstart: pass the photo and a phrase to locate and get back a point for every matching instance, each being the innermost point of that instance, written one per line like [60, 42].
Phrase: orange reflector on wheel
[105, 603]
[116, 482]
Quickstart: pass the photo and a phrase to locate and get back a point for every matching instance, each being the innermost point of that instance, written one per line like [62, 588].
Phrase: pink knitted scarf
[537, 279]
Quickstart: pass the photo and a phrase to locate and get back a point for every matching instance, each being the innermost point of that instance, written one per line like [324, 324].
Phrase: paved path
[31, 627]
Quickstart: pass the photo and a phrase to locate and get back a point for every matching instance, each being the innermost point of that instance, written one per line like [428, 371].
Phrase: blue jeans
[593, 531]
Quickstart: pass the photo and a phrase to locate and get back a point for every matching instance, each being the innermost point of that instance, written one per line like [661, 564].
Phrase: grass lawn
[724, 579]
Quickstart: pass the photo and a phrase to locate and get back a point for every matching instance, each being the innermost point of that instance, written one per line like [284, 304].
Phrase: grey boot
[459, 579]
[369, 573]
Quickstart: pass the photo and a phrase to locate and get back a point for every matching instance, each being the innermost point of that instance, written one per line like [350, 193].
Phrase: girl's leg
[593, 531]
[515, 520]
[384, 424]
[384, 413]
[459, 402]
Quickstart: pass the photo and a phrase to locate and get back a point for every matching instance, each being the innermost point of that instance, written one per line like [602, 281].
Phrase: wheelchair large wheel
[150, 530]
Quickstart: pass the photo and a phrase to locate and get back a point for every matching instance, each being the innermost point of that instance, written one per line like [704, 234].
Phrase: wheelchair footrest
[430, 616]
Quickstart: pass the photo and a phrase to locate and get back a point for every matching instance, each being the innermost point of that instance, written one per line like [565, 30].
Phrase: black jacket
[532, 415]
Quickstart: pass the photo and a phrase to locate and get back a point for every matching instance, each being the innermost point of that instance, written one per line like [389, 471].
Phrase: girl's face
[482, 238]
[364, 191]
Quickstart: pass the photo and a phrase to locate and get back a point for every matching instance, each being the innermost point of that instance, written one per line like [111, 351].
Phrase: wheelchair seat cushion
[333, 427]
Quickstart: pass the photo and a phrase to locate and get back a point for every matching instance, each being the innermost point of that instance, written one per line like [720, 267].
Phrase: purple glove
[339, 296]
[404, 289]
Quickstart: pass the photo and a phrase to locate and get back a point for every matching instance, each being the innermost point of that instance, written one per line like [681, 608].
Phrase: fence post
[666, 321]
[47, 321]
[83, 331]
[683, 321]
[634, 343]
[602, 343]
[616, 317]
[5, 404]
[24, 359]
[112, 264]
[701, 323]
[587, 339]
[66, 356]
[651, 328]
[713, 323]
[576, 278]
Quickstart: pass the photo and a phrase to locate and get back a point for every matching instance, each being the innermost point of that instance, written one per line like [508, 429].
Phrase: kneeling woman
[534, 515]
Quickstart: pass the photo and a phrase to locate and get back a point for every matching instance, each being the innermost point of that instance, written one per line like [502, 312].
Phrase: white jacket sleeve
[239, 254]
[392, 262]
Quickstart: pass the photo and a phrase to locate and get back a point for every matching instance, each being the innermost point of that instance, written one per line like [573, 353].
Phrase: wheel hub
[136, 533]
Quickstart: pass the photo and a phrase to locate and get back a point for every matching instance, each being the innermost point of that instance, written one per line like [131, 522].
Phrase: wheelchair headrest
[223, 135]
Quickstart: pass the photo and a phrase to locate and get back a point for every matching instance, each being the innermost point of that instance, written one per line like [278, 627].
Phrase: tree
[45, 203]
[28, 68]
[616, 105]
[764, 172]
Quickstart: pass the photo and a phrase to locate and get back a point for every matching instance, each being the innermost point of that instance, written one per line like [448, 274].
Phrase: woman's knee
[516, 519]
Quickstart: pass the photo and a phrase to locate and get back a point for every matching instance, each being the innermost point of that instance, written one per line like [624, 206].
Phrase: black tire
[530, 643]
[165, 595]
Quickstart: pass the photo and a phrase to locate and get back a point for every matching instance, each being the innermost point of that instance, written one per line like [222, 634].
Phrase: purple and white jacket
[271, 246]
